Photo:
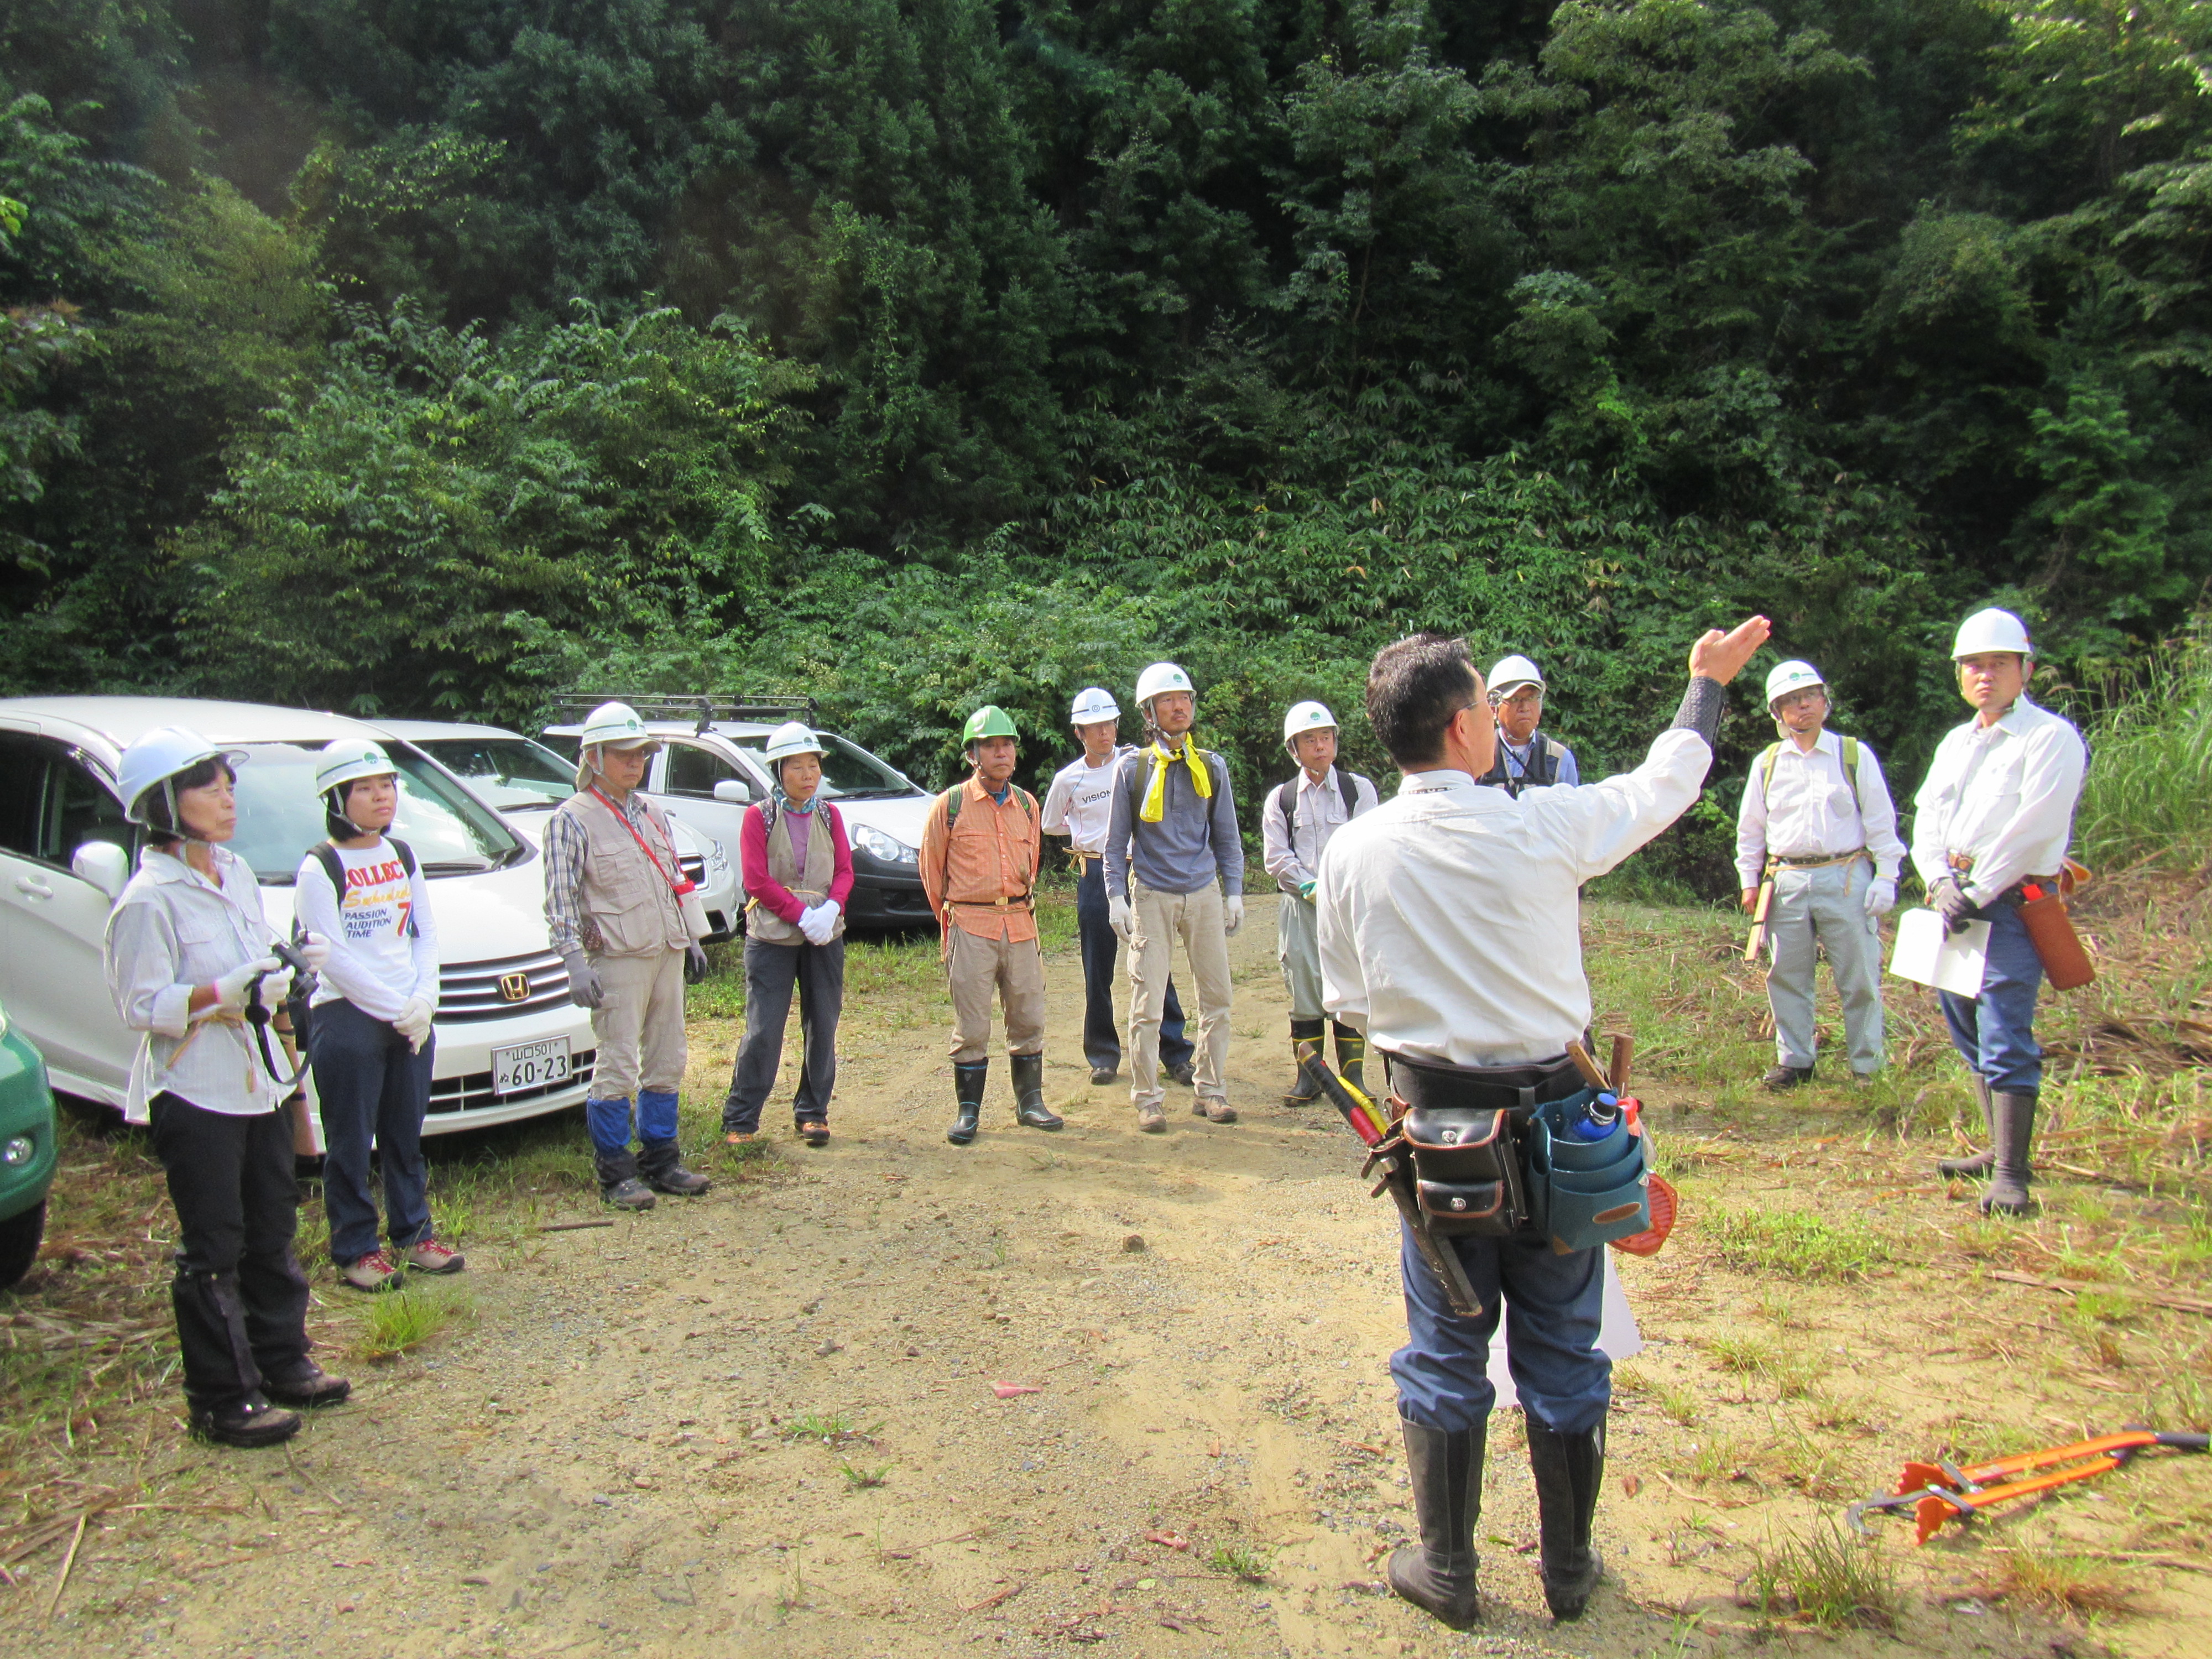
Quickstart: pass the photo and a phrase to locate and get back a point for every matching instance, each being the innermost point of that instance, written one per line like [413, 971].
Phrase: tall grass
[2150, 766]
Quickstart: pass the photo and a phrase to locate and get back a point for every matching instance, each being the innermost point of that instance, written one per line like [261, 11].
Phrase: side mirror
[736, 791]
[103, 864]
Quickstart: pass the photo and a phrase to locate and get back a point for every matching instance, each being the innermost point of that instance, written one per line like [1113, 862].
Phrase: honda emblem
[513, 988]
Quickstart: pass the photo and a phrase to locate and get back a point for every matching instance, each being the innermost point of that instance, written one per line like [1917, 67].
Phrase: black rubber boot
[968, 1081]
[1569, 1470]
[2012, 1130]
[618, 1182]
[1351, 1056]
[1438, 1573]
[661, 1163]
[1028, 1092]
[1979, 1164]
[1304, 1090]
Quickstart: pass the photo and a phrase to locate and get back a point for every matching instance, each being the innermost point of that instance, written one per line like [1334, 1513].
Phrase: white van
[510, 1043]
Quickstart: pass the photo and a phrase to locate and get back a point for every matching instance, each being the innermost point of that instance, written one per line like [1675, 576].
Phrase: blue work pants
[1994, 1032]
[1551, 1306]
[1101, 947]
[371, 1087]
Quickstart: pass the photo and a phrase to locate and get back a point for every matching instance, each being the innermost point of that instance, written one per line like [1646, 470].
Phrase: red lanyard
[624, 818]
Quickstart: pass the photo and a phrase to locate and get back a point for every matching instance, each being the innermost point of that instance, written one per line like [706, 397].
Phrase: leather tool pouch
[1467, 1170]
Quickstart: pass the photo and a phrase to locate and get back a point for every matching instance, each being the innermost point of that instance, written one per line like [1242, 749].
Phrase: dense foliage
[436, 358]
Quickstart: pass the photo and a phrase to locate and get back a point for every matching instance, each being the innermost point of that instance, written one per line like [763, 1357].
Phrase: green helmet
[988, 721]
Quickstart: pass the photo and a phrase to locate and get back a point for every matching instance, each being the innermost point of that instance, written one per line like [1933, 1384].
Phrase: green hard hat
[988, 721]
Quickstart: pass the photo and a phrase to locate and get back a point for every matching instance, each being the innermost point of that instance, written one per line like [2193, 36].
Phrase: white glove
[816, 921]
[317, 951]
[1882, 896]
[1118, 916]
[230, 989]
[414, 1022]
[1234, 906]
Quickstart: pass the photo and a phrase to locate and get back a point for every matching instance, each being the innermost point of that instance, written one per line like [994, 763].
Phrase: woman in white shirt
[369, 1031]
[187, 958]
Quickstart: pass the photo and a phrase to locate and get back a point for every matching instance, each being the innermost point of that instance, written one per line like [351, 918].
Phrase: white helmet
[1162, 677]
[793, 737]
[1509, 674]
[1306, 717]
[348, 760]
[1991, 630]
[155, 759]
[1791, 676]
[617, 726]
[1093, 703]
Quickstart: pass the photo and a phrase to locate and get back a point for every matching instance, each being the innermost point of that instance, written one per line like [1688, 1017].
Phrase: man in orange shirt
[980, 853]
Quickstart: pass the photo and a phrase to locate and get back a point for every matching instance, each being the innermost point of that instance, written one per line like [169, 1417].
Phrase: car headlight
[18, 1151]
[885, 849]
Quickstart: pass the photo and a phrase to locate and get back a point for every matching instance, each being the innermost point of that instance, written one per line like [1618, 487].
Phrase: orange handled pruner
[1940, 1491]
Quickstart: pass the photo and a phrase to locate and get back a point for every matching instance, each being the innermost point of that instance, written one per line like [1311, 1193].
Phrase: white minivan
[510, 1043]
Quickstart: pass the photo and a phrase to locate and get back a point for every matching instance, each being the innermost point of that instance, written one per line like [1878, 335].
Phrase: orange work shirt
[989, 853]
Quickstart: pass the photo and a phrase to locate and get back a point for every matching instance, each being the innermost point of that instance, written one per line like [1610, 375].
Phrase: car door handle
[33, 885]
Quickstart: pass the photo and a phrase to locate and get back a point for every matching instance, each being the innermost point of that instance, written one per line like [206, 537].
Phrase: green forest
[437, 358]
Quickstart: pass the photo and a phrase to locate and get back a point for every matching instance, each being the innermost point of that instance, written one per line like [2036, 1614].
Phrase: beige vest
[627, 902]
[812, 884]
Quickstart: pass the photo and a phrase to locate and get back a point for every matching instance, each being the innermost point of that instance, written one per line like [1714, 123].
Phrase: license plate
[540, 1065]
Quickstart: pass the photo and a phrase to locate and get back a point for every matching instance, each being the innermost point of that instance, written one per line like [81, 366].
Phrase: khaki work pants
[1013, 967]
[1199, 920]
[638, 1025]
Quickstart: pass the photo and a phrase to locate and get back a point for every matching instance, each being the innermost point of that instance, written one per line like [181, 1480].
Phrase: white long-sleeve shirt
[1806, 810]
[377, 960]
[1316, 814]
[1449, 917]
[2003, 794]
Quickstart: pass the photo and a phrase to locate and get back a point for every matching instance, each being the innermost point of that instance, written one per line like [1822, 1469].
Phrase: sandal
[814, 1131]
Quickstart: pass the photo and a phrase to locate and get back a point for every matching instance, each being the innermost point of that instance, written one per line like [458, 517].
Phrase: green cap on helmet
[988, 721]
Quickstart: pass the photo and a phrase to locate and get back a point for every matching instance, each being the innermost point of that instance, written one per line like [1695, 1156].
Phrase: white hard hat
[1991, 630]
[1093, 703]
[156, 758]
[347, 760]
[793, 737]
[615, 726]
[1511, 673]
[1162, 677]
[1791, 676]
[1306, 717]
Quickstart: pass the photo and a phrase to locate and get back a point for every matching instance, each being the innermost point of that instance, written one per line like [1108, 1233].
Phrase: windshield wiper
[457, 867]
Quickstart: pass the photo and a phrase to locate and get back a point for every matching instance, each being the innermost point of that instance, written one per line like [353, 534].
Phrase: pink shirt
[774, 896]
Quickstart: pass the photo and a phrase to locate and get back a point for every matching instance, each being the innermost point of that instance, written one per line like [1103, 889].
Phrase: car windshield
[848, 771]
[280, 816]
[511, 774]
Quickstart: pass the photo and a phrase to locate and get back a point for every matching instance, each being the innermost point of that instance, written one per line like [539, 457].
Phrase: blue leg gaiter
[609, 1123]
[656, 1116]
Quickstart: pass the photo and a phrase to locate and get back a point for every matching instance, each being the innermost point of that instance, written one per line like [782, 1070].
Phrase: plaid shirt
[566, 847]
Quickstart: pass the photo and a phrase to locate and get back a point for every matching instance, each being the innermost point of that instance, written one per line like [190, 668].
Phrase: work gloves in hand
[695, 961]
[230, 990]
[1306, 890]
[585, 989]
[316, 952]
[819, 921]
[1882, 896]
[1233, 908]
[1956, 908]
[1117, 913]
[414, 1022]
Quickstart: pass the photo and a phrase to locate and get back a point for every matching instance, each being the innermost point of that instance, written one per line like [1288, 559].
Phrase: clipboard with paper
[1926, 954]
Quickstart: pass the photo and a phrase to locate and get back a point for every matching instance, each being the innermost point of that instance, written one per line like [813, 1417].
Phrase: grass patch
[1242, 1560]
[1744, 1355]
[1680, 1405]
[828, 1427]
[2060, 1584]
[1797, 1244]
[401, 1321]
[1720, 1457]
[1830, 1579]
[858, 1478]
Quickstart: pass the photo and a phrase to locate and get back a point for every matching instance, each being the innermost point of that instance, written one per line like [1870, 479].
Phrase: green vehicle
[28, 1151]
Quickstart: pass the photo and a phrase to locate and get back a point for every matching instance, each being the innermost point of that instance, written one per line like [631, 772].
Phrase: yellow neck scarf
[1156, 792]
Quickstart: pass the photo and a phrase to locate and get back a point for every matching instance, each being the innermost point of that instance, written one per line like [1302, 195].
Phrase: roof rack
[665, 706]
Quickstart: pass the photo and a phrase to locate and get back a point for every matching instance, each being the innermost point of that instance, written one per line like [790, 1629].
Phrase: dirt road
[771, 1420]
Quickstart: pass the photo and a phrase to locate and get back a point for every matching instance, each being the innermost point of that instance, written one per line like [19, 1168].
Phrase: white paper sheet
[1618, 1339]
[1928, 956]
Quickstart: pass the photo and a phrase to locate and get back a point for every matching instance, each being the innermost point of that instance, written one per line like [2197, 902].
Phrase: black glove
[1956, 908]
[585, 989]
[695, 961]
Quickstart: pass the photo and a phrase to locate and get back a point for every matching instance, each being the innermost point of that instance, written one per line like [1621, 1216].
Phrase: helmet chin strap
[178, 831]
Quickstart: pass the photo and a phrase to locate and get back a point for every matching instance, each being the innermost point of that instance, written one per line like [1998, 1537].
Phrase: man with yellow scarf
[1175, 867]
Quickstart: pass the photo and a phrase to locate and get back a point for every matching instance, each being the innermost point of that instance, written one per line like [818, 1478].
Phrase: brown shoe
[1212, 1110]
[431, 1257]
[1152, 1120]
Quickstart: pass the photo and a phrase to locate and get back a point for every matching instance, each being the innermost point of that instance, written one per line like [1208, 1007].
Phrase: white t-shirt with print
[375, 964]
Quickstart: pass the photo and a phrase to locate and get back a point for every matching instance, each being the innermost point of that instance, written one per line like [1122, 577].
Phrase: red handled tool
[1940, 1491]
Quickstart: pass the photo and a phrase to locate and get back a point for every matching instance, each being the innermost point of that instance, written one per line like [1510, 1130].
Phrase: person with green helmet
[980, 850]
